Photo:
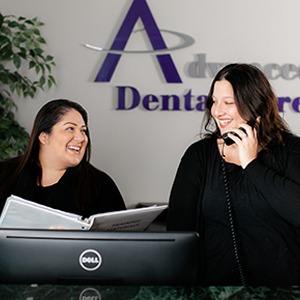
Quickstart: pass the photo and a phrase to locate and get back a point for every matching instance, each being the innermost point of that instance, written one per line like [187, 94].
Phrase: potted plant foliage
[24, 69]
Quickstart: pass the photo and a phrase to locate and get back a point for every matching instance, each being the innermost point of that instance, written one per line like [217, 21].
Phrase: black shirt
[265, 198]
[103, 193]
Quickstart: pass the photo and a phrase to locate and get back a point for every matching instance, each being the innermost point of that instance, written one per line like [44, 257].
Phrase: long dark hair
[254, 97]
[49, 115]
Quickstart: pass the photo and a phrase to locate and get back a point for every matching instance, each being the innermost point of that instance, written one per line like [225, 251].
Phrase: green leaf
[37, 69]
[42, 80]
[30, 44]
[22, 53]
[30, 22]
[41, 40]
[52, 79]
[17, 61]
[31, 64]
[36, 31]
[42, 68]
[13, 24]
[48, 68]
[49, 58]
[18, 90]
[1, 19]
[50, 83]
[5, 48]
[38, 51]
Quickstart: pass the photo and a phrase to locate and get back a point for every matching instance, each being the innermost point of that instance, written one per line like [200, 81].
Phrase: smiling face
[66, 144]
[224, 109]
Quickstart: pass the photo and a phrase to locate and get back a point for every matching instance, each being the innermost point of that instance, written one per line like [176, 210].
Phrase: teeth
[224, 122]
[74, 148]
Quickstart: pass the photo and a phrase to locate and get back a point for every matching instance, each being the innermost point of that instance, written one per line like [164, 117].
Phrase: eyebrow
[72, 123]
[225, 97]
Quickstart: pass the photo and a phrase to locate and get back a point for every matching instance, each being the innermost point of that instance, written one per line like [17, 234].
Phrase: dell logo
[90, 260]
[90, 294]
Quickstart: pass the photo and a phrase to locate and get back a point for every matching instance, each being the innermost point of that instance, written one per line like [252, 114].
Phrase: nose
[79, 136]
[219, 108]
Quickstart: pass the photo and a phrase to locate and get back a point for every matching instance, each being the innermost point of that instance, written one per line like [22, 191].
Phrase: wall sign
[140, 9]
[130, 98]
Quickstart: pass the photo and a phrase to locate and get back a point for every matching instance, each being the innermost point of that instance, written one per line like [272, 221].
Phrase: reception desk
[68, 292]
[135, 292]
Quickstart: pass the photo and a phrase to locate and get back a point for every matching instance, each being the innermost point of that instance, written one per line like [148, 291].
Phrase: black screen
[81, 257]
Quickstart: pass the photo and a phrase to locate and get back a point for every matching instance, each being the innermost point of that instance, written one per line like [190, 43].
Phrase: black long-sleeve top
[104, 195]
[265, 199]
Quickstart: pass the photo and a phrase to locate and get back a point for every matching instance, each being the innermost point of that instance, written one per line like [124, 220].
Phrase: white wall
[141, 149]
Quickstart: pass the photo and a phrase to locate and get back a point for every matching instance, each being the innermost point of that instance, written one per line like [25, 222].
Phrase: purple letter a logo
[139, 8]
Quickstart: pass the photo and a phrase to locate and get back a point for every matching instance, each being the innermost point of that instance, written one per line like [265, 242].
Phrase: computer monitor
[89, 257]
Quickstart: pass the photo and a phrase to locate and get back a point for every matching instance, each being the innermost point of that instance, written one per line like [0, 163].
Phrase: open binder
[21, 213]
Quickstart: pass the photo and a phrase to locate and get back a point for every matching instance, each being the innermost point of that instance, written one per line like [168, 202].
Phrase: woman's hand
[247, 144]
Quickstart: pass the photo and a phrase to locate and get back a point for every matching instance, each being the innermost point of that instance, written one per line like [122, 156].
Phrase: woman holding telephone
[239, 186]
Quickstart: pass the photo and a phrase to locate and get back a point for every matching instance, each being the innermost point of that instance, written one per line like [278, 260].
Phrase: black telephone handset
[228, 141]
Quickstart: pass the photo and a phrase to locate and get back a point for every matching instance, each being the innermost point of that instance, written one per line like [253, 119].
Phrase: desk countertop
[61, 292]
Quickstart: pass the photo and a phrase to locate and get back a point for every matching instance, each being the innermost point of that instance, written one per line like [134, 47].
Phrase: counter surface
[61, 292]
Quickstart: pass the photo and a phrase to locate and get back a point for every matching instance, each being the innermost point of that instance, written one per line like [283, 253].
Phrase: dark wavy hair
[254, 97]
[49, 115]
